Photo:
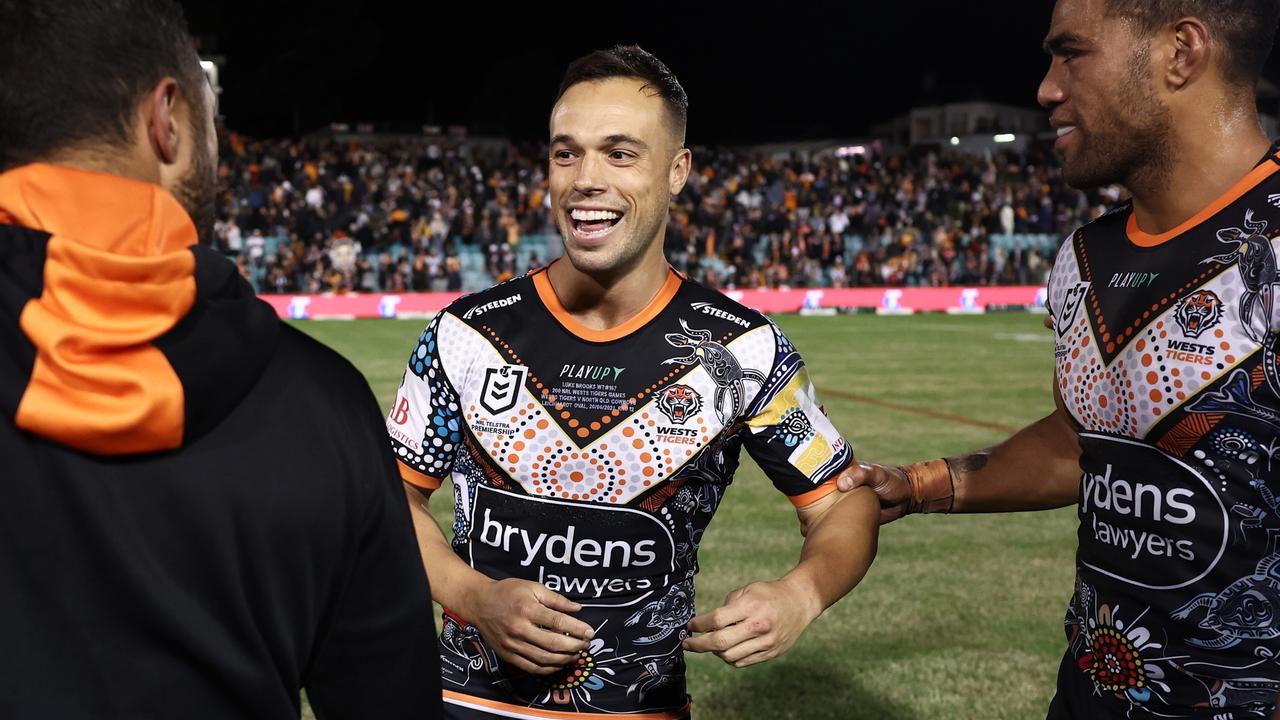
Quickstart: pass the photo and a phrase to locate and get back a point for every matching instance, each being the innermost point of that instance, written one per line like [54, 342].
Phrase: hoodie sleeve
[379, 656]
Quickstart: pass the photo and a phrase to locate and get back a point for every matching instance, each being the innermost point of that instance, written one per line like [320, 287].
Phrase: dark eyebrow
[627, 139]
[1055, 44]
[617, 139]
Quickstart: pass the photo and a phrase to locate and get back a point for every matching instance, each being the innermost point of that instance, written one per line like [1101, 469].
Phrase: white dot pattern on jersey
[442, 431]
[1144, 381]
[624, 462]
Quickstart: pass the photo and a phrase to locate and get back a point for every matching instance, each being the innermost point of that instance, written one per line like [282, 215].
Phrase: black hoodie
[198, 515]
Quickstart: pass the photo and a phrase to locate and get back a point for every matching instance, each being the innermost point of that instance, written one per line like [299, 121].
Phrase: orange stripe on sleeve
[418, 479]
[814, 495]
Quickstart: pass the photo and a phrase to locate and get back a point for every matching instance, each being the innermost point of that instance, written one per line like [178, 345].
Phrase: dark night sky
[778, 71]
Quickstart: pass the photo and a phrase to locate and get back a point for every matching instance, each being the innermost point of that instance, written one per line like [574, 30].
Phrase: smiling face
[615, 163]
[1113, 127]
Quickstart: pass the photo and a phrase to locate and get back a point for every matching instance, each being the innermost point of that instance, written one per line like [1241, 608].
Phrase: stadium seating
[902, 218]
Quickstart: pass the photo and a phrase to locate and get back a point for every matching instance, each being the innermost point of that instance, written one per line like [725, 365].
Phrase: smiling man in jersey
[1167, 429]
[591, 416]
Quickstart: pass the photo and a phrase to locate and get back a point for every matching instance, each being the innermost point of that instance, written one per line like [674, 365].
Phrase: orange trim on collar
[1255, 177]
[542, 283]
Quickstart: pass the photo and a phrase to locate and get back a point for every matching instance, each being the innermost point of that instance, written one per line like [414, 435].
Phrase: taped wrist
[933, 487]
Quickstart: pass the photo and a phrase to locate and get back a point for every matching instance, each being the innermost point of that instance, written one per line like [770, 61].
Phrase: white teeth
[1065, 129]
[589, 215]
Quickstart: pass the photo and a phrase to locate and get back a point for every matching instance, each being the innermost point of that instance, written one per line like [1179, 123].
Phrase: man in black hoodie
[199, 516]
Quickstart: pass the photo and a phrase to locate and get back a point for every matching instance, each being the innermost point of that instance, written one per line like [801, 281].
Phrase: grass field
[960, 617]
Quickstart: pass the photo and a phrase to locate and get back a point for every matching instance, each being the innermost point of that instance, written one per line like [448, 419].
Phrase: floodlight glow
[955, 140]
[1005, 138]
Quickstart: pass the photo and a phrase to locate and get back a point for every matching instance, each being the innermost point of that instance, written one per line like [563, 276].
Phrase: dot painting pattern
[630, 454]
[1156, 368]
[443, 430]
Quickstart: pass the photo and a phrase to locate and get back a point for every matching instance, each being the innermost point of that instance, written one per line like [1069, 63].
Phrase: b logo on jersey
[400, 414]
[1198, 312]
[679, 403]
[501, 387]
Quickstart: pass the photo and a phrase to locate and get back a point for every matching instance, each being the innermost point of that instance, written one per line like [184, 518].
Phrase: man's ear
[159, 113]
[681, 165]
[1190, 53]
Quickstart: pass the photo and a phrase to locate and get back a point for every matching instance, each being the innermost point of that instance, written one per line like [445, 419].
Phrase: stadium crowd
[321, 215]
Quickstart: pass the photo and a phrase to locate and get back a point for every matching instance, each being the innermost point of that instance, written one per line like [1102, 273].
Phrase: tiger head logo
[679, 403]
[1198, 312]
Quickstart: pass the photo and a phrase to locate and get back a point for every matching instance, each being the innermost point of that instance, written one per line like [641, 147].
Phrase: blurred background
[386, 148]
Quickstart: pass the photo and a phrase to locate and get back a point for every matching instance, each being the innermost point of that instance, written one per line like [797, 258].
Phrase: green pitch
[960, 617]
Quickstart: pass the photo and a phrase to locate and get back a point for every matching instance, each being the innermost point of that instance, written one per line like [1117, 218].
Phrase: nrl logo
[1071, 303]
[1274, 199]
[501, 388]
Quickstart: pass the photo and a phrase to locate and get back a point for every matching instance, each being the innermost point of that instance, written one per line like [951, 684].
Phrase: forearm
[839, 546]
[453, 582]
[1038, 468]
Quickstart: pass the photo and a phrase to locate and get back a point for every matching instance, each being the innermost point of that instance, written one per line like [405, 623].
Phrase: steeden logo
[707, 308]
[493, 305]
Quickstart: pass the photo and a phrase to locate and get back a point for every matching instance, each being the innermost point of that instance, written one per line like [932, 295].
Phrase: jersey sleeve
[788, 433]
[425, 422]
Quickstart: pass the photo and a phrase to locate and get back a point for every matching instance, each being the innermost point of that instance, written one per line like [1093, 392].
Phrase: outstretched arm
[1038, 468]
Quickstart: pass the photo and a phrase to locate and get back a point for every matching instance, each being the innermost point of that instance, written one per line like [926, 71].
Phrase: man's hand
[527, 626]
[889, 484]
[756, 623]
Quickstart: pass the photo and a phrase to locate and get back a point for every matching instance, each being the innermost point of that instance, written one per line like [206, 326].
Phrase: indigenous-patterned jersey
[591, 462]
[1166, 356]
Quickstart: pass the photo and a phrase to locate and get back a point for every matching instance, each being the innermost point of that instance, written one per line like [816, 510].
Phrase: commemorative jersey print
[1166, 357]
[592, 463]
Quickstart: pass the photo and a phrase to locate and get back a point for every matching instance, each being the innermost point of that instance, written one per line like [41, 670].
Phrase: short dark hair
[73, 71]
[1245, 29]
[632, 61]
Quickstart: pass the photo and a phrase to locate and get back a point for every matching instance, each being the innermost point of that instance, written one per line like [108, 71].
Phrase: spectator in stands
[742, 220]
